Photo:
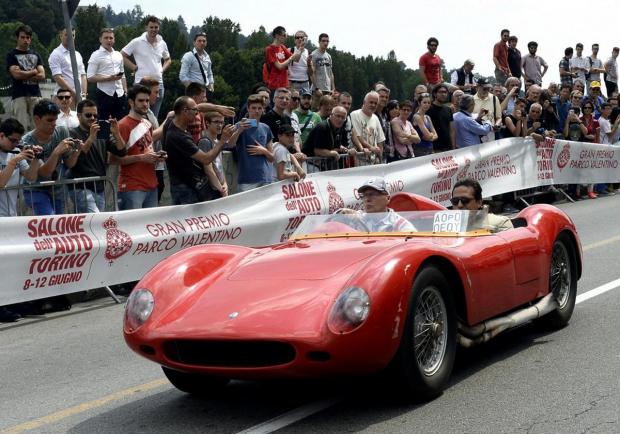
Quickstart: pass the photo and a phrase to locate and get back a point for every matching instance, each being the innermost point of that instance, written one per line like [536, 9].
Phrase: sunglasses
[299, 37]
[61, 97]
[464, 200]
[295, 98]
[13, 140]
[90, 115]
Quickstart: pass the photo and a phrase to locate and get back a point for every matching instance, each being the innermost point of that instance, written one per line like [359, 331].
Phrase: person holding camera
[186, 163]
[467, 129]
[105, 67]
[299, 72]
[13, 163]
[93, 139]
[56, 152]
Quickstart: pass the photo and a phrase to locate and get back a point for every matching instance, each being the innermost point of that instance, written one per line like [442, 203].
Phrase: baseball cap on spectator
[286, 129]
[483, 82]
[305, 92]
[470, 62]
[595, 84]
[376, 183]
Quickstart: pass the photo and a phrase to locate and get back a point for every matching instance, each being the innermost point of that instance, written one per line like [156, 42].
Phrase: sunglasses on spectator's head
[464, 200]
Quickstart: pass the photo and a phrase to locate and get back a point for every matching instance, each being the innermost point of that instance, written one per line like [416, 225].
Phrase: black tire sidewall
[425, 387]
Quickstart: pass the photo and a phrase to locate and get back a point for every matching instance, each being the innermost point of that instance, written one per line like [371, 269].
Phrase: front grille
[237, 354]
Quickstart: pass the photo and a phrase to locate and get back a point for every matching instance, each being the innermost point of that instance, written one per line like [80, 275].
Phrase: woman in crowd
[515, 123]
[513, 84]
[391, 112]
[424, 126]
[549, 114]
[456, 100]
[405, 136]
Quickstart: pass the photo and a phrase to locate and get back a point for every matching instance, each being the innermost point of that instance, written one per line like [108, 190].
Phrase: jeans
[137, 199]
[182, 194]
[160, 98]
[87, 201]
[42, 202]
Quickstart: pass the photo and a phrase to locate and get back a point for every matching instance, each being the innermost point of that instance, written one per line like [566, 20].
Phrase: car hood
[308, 260]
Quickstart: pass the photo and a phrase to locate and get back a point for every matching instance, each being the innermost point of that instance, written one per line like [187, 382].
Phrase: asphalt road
[73, 373]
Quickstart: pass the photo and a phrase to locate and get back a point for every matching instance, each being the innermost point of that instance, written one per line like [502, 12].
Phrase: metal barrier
[528, 193]
[344, 161]
[63, 195]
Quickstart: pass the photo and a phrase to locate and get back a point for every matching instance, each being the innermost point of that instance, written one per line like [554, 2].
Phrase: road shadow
[363, 402]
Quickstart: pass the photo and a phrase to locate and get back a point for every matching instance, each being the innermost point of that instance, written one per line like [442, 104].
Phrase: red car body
[257, 313]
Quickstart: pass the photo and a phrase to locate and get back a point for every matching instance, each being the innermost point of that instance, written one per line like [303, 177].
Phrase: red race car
[341, 299]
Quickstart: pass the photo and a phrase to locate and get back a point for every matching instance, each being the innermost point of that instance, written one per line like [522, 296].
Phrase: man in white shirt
[609, 132]
[579, 64]
[149, 50]
[60, 65]
[105, 67]
[66, 118]
[367, 132]
[196, 64]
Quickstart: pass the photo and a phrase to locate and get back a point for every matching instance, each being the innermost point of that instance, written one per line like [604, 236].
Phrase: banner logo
[118, 242]
[564, 157]
[335, 200]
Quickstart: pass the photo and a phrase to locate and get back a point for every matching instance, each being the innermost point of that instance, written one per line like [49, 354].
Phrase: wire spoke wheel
[560, 274]
[430, 331]
[428, 346]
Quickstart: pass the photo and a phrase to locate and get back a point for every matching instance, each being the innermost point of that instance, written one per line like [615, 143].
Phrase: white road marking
[598, 291]
[291, 417]
[304, 411]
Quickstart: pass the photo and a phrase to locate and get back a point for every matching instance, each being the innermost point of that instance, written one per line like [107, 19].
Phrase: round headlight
[350, 310]
[139, 308]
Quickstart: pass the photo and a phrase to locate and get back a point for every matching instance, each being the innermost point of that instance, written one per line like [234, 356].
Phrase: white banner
[43, 256]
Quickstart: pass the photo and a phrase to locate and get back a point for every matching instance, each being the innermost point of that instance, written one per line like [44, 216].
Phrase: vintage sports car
[339, 300]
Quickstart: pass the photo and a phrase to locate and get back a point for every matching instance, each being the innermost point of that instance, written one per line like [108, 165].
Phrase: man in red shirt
[500, 58]
[430, 64]
[277, 60]
[137, 183]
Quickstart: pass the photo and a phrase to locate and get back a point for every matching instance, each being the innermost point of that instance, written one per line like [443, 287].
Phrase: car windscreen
[436, 221]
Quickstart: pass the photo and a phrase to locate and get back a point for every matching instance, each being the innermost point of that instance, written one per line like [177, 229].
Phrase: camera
[162, 154]
[75, 144]
[36, 151]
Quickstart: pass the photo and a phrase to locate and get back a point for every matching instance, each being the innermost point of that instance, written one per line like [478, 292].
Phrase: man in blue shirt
[467, 129]
[196, 64]
[254, 147]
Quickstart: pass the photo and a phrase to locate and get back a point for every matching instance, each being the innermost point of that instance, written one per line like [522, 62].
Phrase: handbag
[202, 188]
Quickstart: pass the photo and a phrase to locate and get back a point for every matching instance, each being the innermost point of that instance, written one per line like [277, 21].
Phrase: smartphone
[104, 129]
[253, 123]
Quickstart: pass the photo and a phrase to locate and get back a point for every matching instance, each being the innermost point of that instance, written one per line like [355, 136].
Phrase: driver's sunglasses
[464, 200]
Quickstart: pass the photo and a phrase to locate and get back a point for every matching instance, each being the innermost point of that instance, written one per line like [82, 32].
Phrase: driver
[467, 195]
[376, 215]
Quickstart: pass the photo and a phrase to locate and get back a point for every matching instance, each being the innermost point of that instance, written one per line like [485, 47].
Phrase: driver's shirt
[386, 222]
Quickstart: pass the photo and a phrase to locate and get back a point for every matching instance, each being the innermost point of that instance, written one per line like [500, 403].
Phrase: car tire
[562, 282]
[195, 384]
[423, 366]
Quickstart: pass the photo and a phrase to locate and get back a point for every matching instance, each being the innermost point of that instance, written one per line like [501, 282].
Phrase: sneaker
[7, 315]
[592, 195]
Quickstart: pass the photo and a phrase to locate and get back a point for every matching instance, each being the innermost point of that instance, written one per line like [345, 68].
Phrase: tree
[89, 21]
[175, 38]
[221, 34]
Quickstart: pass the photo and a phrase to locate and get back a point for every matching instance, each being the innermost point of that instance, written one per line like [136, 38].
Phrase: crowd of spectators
[295, 119]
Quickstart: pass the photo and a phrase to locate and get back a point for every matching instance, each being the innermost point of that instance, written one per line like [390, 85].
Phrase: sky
[465, 29]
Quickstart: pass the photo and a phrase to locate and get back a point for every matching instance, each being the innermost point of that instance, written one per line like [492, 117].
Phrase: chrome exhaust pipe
[470, 336]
